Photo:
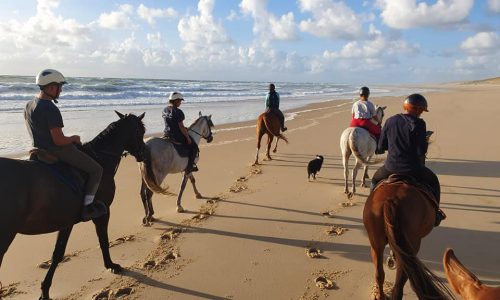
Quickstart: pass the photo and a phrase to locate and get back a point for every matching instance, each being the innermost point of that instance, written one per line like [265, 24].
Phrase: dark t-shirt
[172, 116]
[41, 116]
[403, 136]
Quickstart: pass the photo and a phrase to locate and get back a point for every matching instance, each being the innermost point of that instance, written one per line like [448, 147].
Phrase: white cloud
[151, 14]
[481, 43]
[404, 14]
[494, 6]
[334, 20]
[233, 15]
[117, 19]
[374, 53]
[266, 25]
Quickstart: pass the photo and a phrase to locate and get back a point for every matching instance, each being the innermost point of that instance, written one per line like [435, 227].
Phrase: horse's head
[379, 112]
[134, 134]
[203, 127]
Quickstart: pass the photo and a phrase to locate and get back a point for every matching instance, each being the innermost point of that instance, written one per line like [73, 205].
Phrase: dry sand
[251, 243]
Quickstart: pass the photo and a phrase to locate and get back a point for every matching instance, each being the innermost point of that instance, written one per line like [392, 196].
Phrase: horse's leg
[270, 139]
[101, 227]
[259, 138]
[183, 186]
[377, 252]
[146, 195]
[57, 257]
[365, 175]
[345, 163]
[401, 278]
[276, 146]
[193, 182]
[354, 174]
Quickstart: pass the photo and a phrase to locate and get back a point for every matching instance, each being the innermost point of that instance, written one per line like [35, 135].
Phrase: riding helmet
[364, 91]
[415, 101]
[48, 76]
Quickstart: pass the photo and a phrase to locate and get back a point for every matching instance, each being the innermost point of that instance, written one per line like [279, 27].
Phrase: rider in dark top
[176, 131]
[273, 105]
[404, 136]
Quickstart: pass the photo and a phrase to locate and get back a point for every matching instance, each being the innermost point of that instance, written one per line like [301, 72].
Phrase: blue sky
[358, 42]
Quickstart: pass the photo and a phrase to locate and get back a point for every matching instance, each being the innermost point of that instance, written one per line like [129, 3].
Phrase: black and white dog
[314, 166]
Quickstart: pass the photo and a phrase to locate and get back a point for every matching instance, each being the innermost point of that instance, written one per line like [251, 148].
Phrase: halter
[209, 130]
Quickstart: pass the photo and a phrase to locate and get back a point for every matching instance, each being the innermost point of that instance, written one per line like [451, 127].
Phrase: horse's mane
[111, 128]
[210, 124]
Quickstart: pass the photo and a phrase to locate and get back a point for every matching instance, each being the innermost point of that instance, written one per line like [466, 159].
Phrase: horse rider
[176, 131]
[273, 105]
[363, 112]
[44, 122]
[404, 137]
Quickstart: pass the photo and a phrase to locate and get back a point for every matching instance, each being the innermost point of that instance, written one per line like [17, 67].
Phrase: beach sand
[251, 243]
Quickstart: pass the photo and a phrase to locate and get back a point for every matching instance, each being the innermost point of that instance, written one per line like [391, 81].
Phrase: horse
[268, 123]
[359, 142]
[162, 159]
[36, 201]
[464, 282]
[400, 214]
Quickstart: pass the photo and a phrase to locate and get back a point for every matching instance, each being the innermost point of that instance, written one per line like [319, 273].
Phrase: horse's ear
[384, 107]
[199, 113]
[141, 116]
[119, 114]
[210, 117]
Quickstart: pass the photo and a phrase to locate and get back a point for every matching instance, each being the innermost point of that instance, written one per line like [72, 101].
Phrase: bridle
[209, 136]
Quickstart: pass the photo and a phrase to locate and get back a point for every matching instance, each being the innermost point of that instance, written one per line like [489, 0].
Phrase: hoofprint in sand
[251, 243]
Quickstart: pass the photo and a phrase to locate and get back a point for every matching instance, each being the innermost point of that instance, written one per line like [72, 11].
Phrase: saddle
[70, 176]
[410, 180]
[181, 149]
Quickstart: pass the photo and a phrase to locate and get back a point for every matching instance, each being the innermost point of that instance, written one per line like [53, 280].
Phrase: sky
[372, 42]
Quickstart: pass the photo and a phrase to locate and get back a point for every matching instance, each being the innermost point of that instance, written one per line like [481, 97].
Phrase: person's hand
[76, 139]
[189, 140]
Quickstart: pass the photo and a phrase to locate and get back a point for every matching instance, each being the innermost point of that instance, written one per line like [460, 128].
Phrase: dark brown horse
[35, 201]
[401, 214]
[464, 282]
[268, 123]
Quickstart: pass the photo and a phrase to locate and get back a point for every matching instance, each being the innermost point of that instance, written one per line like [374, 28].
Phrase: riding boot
[191, 166]
[93, 210]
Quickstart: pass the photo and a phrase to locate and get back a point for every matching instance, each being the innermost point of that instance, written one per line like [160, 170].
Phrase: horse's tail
[273, 132]
[149, 176]
[425, 284]
[355, 151]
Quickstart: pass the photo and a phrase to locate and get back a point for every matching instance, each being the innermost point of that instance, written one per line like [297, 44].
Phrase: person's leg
[428, 177]
[381, 174]
[193, 152]
[78, 159]
[281, 116]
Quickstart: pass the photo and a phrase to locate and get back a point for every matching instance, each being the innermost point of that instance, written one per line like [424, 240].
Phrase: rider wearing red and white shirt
[363, 111]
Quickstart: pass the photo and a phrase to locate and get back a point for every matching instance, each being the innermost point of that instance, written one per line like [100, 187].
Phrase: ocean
[88, 104]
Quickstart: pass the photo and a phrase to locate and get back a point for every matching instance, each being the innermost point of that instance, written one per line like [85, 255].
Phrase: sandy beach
[250, 242]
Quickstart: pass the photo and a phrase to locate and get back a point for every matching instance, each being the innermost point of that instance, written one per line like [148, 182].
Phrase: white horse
[359, 142]
[162, 159]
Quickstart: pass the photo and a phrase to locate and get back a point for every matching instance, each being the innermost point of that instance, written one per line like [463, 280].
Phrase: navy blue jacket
[404, 137]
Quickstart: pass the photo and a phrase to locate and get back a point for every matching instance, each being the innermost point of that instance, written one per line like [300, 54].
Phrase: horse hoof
[391, 263]
[274, 151]
[350, 195]
[115, 269]
[199, 196]
[180, 209]
[44, 298]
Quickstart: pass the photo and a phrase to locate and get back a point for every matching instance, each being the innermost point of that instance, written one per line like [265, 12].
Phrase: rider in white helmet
[44, 122]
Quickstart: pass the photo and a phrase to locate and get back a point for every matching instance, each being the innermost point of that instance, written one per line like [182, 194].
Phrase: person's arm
[267, 100]
[184, 131]
[422, 144]
[373, 111]
[60, 139]
[383, 142]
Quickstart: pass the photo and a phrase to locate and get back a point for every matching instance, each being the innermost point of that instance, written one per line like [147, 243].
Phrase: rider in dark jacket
[273, 105]
[176, 131]
[405, 138]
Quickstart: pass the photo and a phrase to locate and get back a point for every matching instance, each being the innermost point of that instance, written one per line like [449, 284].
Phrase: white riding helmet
[49, 76]
[175, 96]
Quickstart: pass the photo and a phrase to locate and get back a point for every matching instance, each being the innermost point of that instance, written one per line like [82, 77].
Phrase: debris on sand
[9, 290]
[348, 204]
[108, 294]
[313, 252]
[324, 283]
[121, 240]
[329, 213]
[238, 187]
[171, 234]
[336, 230]
[388, 286]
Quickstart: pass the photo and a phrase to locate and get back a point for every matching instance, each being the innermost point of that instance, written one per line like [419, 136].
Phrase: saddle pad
[409, 180]
[66, 174]
[181, 149]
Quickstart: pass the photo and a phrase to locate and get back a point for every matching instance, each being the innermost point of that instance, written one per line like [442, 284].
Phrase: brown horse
[34, 200]
[268, 123]
[464, 282]
[401, 214]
